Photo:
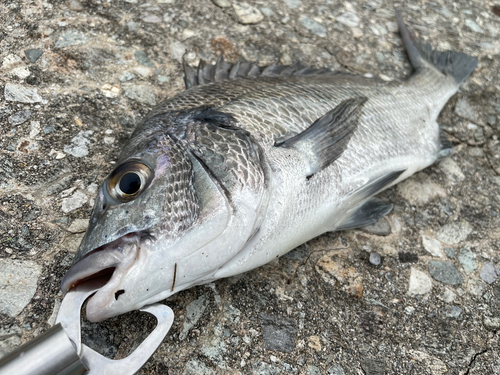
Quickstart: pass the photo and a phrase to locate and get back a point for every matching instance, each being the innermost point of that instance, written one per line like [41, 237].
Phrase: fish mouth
[112, 260]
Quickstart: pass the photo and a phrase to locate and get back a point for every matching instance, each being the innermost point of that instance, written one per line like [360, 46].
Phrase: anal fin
[372, 209]
[368, 213]
[446, 146]
[326, 139]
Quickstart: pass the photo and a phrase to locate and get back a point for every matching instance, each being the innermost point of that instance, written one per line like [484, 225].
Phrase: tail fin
[455, 64]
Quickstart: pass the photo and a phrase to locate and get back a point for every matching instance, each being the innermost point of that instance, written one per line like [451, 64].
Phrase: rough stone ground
[416, 294]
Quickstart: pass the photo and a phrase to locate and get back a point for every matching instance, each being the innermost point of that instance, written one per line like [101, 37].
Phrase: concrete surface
[418, 293]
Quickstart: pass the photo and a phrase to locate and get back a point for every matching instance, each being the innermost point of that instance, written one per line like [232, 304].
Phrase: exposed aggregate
[417, 293]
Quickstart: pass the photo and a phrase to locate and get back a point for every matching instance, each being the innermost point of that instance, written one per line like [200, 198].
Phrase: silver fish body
[249, 163]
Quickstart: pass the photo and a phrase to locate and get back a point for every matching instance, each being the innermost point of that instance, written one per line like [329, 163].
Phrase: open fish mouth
[113, 260]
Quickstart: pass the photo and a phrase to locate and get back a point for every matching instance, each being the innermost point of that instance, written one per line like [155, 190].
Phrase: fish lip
[100, 261]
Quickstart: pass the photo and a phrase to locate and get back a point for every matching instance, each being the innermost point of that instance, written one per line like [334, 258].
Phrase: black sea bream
[250, 162]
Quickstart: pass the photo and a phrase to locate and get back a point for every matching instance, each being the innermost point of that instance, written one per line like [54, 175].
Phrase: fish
[249, 162]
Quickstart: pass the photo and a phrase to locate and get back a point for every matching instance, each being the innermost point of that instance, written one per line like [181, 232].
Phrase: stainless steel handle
[50, 353]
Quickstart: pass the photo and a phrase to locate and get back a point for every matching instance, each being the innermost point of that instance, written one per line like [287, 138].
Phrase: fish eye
[128, 180]
[130, 183]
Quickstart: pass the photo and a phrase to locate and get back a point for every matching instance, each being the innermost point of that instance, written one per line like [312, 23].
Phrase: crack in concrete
[473, 359]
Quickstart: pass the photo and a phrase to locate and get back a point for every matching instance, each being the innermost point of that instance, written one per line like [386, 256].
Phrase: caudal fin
[455, 64]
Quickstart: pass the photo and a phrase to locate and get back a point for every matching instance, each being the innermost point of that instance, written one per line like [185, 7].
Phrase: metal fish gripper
[60, 350]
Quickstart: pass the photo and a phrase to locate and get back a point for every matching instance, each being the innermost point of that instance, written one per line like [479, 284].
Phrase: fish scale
[250, 162]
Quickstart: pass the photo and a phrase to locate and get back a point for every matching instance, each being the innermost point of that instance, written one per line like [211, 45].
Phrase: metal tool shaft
[50, 353]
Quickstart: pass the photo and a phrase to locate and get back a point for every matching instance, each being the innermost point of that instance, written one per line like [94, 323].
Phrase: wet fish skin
[250, 162]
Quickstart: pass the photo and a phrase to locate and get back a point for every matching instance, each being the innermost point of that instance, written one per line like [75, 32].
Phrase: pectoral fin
[327, 138]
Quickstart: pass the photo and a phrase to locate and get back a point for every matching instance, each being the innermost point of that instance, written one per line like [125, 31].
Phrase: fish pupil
[130, 183]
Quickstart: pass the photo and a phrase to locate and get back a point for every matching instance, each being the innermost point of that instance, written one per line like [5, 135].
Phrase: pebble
[132, 26]
[15, 66]
[451, 169]
[143, 59]
[19, 282]
[141, 93]
[476, 286]
[214, 347]
[489, 272]
[491, 323]
[127, 76]
[448, 296]
[373, 366]
[222, 3]
[473, 26]
[79, 144]
[420, 283]
[247, 14]
[163, 79]
[21, 94]
[50, 128]
[10, 338]
[335, 271]
[407, 257]
[77, 200]
[454, 312]
[313, 26]
[19, 117]
[109, 92]
[266, 11]
[194, 312]
[466, 258]
[71, 38]
[433, 364]
[313, 370]
[299, 253]
[454, 233]
[432, 246]
[75, 5]
[177, 50]
[314, 343]
[11, 61]
[195, 367]
[20, 72]
[278, 332]
[151, 18]
[375, 259]
[72, 242]
[492, 120]
[143, 71]
[380, 228]
[335, 370]
[450, 251]
[464, 109]
[420, 189]
[445, 272]
[34, 129]
[476, 152]
[263, 368]
[349, 19]
[293, 4]
[409, 310]
[78, 226]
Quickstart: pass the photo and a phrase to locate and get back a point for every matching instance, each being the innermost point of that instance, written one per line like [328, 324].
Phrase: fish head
[151, 201]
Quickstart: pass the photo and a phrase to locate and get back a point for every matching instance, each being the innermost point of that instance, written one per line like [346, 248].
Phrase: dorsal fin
[222, 70]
